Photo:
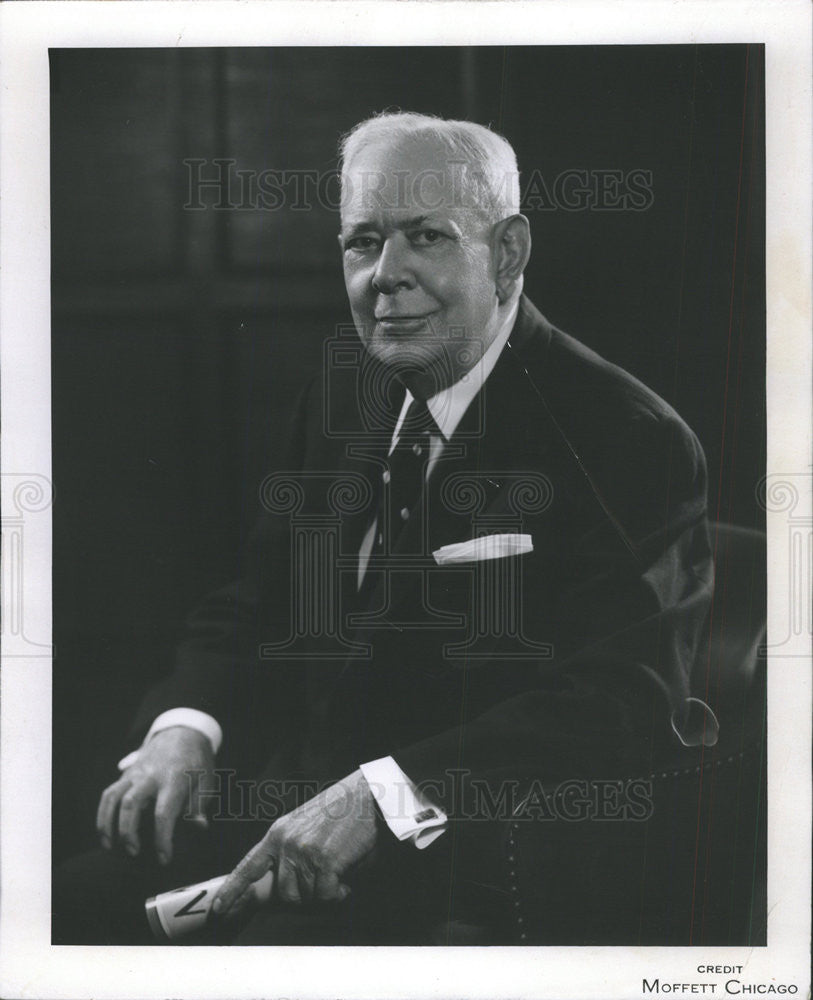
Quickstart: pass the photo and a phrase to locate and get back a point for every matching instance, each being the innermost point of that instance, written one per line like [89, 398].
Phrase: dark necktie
[403, 478]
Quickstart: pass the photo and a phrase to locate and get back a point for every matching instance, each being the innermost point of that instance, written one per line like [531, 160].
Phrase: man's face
[418, 264]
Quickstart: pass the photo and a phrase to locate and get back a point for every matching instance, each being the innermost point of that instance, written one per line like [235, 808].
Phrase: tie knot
[417, 420]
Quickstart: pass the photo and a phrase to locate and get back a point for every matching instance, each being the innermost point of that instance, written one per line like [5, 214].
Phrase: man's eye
[361, 243]
[426, 237]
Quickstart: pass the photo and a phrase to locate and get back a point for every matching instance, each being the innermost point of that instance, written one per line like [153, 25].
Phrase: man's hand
[311, 848]
[159, 776]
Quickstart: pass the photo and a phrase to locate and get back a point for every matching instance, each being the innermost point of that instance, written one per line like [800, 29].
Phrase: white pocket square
[484, 547]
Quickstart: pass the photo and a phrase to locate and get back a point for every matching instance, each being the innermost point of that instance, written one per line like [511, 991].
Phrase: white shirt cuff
[408, 813]
[190, 717]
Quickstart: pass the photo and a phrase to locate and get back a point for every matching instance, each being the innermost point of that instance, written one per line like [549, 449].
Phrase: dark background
[180, 338]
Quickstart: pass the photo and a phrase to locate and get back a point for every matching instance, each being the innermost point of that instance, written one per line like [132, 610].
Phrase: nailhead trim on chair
[513, 885]
[706, 767]
[513, 882]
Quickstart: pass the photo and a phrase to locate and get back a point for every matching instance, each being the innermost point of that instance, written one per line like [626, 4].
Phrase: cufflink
[425, 815]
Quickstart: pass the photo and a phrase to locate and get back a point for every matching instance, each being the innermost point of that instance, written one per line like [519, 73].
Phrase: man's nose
[394, 270]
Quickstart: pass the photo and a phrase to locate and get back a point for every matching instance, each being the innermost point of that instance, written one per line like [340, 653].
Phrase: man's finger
[108, 809]
[253, 866]
[168, 807]
[292, 883]
[329, 887]
[130, 809]
[197, 810]
[239, 905]
[286, 882]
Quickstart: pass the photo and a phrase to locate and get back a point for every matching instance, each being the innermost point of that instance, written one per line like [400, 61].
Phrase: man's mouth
[402, 319]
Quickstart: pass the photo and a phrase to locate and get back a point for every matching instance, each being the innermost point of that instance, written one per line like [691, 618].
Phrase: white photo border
[29, 965]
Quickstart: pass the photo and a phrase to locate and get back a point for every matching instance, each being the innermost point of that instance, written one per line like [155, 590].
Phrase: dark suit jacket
[565, 662]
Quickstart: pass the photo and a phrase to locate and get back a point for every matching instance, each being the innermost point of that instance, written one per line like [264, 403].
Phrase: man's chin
[411, 357]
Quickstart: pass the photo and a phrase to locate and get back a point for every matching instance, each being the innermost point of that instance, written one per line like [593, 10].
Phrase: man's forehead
[404, 179]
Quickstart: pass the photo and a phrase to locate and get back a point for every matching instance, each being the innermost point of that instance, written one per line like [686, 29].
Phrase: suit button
[404, 514]
[380, 539]
[416, 449]
[385, 476]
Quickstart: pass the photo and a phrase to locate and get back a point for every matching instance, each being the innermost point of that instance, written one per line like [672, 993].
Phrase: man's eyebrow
[355, 230]
[365, 227]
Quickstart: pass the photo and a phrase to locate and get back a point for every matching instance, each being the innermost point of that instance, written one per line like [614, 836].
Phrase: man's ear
[512, 248]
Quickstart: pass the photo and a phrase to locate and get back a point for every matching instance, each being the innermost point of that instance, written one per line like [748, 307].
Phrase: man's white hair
[487, 162]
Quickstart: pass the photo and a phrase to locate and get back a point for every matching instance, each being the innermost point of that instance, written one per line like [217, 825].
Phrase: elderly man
[521, 584]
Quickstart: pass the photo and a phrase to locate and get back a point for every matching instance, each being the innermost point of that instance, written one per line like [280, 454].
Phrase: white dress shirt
[407, 812]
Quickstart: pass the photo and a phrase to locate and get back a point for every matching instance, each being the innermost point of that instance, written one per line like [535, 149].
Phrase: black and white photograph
[410, 497]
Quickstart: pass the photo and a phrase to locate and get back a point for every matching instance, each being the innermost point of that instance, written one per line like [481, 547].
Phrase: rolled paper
[183, 911]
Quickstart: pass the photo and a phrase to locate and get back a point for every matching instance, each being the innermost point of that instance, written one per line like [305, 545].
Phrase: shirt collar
[448, 406]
